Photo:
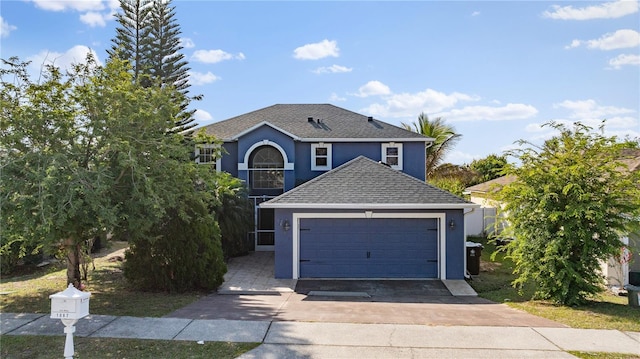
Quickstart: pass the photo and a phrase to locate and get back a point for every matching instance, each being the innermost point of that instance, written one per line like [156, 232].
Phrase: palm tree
[444, 137]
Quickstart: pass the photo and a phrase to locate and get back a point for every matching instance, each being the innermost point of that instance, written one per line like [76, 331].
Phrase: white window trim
[400, 155]
[243, 166]
[218, 161]
[328, 146]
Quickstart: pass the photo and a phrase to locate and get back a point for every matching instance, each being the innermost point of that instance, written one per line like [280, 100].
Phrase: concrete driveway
[251, 293]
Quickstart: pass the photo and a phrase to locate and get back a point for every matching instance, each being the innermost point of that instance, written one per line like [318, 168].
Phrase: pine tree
[149, 37]
[168, 65]
[133, 35]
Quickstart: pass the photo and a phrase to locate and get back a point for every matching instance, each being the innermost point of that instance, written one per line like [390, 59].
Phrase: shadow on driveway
[395, 291]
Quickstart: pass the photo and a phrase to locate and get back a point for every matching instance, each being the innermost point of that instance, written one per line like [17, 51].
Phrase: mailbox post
[69, 306]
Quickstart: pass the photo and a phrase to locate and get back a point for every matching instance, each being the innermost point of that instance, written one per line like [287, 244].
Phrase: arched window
[267, 168]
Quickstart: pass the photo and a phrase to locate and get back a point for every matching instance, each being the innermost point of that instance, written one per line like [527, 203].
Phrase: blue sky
[495, 70]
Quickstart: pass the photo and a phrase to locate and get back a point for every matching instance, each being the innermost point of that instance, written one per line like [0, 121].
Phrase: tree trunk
[73, 263]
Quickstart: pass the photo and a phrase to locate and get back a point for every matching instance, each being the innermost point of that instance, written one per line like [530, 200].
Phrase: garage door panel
[368, 248]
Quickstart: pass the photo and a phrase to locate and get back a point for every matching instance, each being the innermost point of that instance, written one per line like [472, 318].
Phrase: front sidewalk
[318, 340]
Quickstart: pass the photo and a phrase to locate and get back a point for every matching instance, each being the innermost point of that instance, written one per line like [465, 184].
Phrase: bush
[234, 214]
[182, 255]
[15, 252]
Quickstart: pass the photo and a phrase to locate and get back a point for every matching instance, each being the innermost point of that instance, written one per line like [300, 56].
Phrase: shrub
[182, 255]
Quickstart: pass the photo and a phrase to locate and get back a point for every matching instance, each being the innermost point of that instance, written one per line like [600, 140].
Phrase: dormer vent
[309, 119]
[370, 119]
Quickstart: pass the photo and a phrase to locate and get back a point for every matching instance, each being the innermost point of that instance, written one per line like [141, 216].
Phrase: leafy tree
[567, 210]
[490, 167]
[445, 138]
[450, 184]
[453, 178]
[89, 153]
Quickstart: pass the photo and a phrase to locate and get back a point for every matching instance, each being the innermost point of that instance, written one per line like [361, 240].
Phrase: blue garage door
[368, 248]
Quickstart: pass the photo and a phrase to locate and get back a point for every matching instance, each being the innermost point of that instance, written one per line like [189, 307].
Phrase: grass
[599, 355]
[28, 290]
[605, 311]
[42, 347]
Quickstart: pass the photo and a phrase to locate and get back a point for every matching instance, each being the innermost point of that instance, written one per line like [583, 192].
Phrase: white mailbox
[70, 304]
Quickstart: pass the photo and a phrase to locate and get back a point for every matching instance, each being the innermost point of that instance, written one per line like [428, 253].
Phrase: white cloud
[624, 60]
[202, 115]
[215, 56]
[333, 69]
[335, 98]
[187, 43]
[318, 50]
[75, 55]
[620, 39]
[373, 88]
[609, 10]
[77, 5]
[5, 28]
[511, 111]
[475, 13]
[584, 110]
[94, 19]
[199, 78]
[461, 157]
[95, 13]
[411, 104]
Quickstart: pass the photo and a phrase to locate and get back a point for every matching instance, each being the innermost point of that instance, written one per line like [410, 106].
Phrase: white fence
[481, 221]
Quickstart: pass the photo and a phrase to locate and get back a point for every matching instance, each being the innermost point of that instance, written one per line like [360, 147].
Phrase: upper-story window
[392, 155]
[267, 168]
[321, 156]
[208, 154]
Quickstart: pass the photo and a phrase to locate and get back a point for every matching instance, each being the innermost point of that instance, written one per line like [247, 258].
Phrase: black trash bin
[474, 251]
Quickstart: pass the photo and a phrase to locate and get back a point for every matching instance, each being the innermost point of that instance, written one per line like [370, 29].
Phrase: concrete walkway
[343, 340]
[254, 274]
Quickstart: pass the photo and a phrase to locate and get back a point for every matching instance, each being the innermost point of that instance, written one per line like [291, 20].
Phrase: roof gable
[363, 182]
[313, 122]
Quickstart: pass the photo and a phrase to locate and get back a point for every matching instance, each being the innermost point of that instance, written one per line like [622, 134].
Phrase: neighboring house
[380, 221]
[484, 221]
[617, 272]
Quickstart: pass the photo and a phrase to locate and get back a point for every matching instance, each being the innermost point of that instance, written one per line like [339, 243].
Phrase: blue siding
[283, 245]
[414, 159]
[455, 250]
[230, 158]
[343, 152]
[266, 133]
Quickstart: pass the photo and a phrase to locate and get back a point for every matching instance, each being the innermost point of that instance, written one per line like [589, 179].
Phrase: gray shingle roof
[335, 123]
[363, 182]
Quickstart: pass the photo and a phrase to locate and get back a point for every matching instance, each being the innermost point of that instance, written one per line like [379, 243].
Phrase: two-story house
[338, 194]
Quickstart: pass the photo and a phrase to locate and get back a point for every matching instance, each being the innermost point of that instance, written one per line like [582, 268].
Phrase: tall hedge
[183, 254]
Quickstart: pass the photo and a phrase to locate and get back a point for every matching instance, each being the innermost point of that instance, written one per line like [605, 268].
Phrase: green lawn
[606, 311]
[44, 347]
[28, 292]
